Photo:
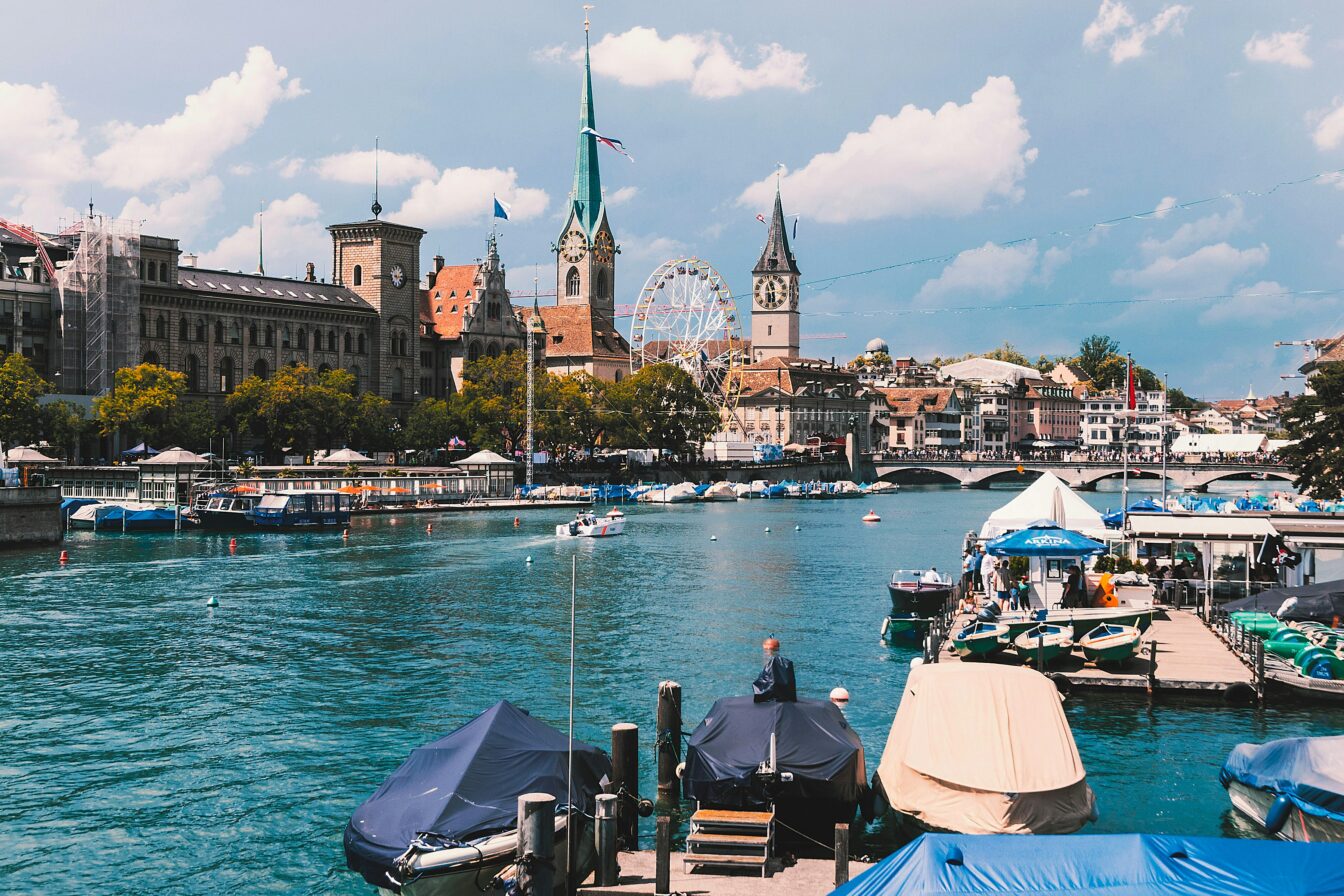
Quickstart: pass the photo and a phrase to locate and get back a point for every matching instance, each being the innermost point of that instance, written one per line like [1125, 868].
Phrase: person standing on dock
[987, 567]
[999, 576]
[969, 566]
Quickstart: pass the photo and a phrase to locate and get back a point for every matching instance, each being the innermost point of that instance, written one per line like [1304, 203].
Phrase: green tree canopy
[20, 388]
[660, 406]
[297, 408]
[1316, 423]
[494, 400]
[1007, 352]
[373, 425]
[65, 425]
[431, 424]
[146, 400]
[1093, 352]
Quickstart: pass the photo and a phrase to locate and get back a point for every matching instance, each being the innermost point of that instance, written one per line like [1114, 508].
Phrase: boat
[585, 525]
[85, 517]
[754, 489]
[1043, 643]
[1129, 864]
[127, 518]
[316, 508]
[982, 749]
[919, 591]
[445, 822]
[882, 487]
[719, 491]
[1081, 621]
[1108, 643]
[1292, 788]
[680, 493]
[904, 626]
[980, 638]
[225, 510]
[1320, 663]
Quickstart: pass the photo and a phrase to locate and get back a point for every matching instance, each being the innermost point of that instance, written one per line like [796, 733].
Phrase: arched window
[270, 335]
[348, 341]
[226, 379]
[284, 336]
[235, 333]
[193, 372]
[493, 350]
[492, 310]
[153, 271]
[331, 340]
[163, 271]
[572, 282]
[161, 327]
[261, 368]
[398, 384]
[474, 351]
[183, 330]
[361, 348]
[200, 329]
[603, 288]
[358, 278]
[219, 332]
[151, 358]
[252, 334]
[301, 339]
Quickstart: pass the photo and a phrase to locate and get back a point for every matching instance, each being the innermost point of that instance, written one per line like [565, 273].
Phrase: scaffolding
[99, 305]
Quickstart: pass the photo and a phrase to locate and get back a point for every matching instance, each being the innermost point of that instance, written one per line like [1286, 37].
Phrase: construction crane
[32, 236]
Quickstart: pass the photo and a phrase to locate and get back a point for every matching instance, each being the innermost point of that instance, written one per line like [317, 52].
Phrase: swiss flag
[1133, 400]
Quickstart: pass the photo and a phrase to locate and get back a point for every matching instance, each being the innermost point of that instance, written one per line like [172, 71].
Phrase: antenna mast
[531, 376]
[377, 207]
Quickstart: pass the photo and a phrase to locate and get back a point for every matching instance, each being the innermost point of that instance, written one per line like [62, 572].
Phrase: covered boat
[801, 756]
[1117, 864]
[1319, 601]
[1293, 788]
[445, 821]
[984, 749]
[719, 491]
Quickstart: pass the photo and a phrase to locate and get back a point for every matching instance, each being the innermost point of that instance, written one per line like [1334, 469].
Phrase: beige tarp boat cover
[984, 749]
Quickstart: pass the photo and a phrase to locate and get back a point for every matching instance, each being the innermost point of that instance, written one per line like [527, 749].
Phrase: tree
[494, 400]
[1177, 400]
[65, 425]
[144, 400]
[582, 410]
[1045, 364]
[1093, 351]
[20, 388]
[296, 409]
[191, 425]
[1008, 353]
[430, 425]
[1316, 423]
[373, 426]
[660, 406]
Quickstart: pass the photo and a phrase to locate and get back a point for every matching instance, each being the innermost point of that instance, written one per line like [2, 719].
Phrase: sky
[963, 174]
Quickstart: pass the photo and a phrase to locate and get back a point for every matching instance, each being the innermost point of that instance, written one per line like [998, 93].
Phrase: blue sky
[907, 131]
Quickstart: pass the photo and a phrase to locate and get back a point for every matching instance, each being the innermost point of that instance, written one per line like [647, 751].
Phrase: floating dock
[1190, 660]
[809, 877]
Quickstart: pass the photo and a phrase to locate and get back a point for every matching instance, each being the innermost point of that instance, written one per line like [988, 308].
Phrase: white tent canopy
[28, 456]
[1220, 443]
[988, 370]
[346, 456]
[1048, 498]
[485, 458]
[174, 457]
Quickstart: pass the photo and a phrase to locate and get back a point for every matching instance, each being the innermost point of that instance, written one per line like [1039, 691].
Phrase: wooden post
[536, 844]
[669, 740]
[662, 869]
[1152, 665]
[1260, 671]
[841, 854]
[606, 840]
[625, 778]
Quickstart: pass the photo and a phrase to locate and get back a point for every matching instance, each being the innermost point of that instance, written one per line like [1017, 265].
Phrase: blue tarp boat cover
[1113, 864]
[812, 741]
[1116, 518]
[466, 785]
[1307, 770]
[776, 681]
[70, 505]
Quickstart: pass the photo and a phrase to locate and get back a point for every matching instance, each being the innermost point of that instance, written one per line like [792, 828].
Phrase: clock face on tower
[771, 292]
[572, 247]
[397, 275]
[603, 248]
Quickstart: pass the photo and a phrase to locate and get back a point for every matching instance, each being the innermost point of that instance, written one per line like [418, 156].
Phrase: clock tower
[774, 295]
[380, 262]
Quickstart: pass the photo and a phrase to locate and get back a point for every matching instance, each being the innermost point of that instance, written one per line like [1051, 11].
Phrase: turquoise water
[148, 742]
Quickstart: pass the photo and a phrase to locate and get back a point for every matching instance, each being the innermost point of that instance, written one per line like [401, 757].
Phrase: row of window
[233, 335]
[601, 286]
[154, 271]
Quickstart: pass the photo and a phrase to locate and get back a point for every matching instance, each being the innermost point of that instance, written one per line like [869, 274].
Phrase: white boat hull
[603, 528]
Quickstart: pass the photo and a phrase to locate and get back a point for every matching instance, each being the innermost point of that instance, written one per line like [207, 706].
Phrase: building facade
[792, 400]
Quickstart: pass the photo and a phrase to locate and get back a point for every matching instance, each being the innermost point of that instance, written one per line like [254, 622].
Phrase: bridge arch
[921, 476]
[1203, 479]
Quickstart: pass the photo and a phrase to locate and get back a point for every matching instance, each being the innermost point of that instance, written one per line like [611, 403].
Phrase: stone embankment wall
[30, 516]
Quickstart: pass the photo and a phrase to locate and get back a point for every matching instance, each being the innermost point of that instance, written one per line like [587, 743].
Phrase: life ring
[1278, 813]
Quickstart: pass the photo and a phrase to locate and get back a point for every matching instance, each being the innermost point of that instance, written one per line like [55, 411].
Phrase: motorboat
[680, 493]
[754, 489]
[719, 491]
[445, 822]
[85, 517]
[1109, 643]
[1129, 864]
[1043, 643]
[980, 638]
[924, 592]
[316, 508]
[128, 518]
[882, 487]
[1292, 788]
[586, 525]
[983, 749]
[225, 509]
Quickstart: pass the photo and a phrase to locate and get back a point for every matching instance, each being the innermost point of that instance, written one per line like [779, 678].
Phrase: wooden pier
[809, 877]
[1178, 655]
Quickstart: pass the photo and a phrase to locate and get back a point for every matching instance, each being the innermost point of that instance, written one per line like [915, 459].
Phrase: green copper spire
[587, 194]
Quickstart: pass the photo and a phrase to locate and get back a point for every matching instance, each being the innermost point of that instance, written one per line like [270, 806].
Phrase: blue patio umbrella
[140, 450]
[1044, 538]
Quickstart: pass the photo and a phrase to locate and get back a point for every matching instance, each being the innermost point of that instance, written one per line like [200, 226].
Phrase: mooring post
[606, 840]
[669, 740]
[662, 870]
[841, 854]
[1152, 665]
[536, 844]
[625, 777]
[1260, 671]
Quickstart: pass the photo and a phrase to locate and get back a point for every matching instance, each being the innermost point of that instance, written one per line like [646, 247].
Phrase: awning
[1197, 527]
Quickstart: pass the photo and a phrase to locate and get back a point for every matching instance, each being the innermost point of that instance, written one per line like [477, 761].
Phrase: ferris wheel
[686, 316]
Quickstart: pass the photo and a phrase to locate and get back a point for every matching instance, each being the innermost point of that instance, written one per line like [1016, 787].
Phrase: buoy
[797, 528]
[345, 533]
[840, 697]
[529, 559]
[212, 601]
[517, 521]
[233, 545]
[429, 529]
[65, 556]
[392, 521]
[872, 517]
[713, 538]
[767, 528]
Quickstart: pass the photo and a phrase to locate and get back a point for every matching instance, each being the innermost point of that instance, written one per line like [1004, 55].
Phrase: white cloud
[1053, 259]
[213, 121]
[991, 271]
[41, 152]
[294, 236]
[1329, 132]
[177, 214]
[241, 170]
[708, 62]
[1283, 47]
[918, 162]
[1265, 302]
[1116, 30]
[289, 166]
[1164, 207]
[1198, 233]
[462, 195]
[1208, 270]
[357, 167]
[620, 197]
[1080, 192]
[642, 253]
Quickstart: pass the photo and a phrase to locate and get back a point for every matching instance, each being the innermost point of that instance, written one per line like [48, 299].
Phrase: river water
[148, 742]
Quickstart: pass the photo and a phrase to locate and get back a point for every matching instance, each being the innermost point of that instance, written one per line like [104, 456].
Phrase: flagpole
[1124, 432]
[1166, 418]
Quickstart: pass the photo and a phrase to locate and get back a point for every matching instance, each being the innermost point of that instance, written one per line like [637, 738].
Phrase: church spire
[777, 257]
[587, 193]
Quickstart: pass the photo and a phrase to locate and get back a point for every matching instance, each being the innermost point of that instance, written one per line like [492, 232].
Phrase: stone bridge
[1080, 475]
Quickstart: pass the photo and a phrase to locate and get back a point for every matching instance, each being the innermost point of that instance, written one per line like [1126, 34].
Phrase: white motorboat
[681, 493]
[586, 525]
[754, 489]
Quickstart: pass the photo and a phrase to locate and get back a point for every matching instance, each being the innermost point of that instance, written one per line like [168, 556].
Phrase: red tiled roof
[913, 400]
[580, 331]
[445, 302]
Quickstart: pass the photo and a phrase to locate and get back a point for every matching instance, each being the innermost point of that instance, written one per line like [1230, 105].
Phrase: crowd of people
[1079, 455]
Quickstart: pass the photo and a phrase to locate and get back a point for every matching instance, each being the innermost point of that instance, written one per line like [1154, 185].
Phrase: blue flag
[501, 210]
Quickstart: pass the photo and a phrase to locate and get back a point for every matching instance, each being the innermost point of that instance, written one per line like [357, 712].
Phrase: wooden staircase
[731, 839]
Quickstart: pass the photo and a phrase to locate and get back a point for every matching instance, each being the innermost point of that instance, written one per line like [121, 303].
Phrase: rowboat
[980, 639]
[1080, 621]
[1042, 644]
[1110, 643]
